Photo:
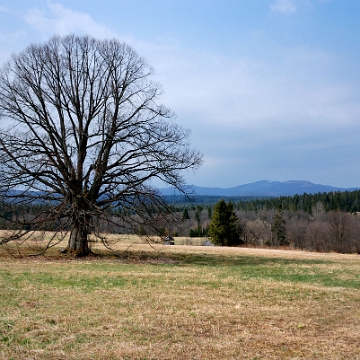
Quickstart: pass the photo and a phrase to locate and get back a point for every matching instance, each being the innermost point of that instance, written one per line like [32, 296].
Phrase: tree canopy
[223, 228]
[82, 132]
[278, 229]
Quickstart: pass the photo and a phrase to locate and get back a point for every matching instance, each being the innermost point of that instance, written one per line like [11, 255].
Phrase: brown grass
[105, 308]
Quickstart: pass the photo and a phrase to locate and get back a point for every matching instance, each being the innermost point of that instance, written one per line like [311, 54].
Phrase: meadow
[181, 302]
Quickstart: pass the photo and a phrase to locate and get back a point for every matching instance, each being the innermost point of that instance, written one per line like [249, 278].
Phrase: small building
[207, 243]
[169, 240]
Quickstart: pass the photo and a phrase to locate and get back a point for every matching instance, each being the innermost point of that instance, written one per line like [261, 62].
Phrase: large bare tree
[82, 135]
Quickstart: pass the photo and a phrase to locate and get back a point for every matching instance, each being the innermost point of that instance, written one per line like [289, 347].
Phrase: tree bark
[78, 242]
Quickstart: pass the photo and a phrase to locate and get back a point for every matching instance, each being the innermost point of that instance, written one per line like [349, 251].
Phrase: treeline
[347, 201]
[320, 231]
[319, 222]
[322, 222]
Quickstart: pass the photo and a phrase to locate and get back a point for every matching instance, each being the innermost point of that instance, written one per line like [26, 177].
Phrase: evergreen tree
[197, 216]
[185, 214]
[279, 228]
[223, 229]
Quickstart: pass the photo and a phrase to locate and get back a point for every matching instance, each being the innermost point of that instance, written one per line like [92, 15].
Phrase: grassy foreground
[181, 302]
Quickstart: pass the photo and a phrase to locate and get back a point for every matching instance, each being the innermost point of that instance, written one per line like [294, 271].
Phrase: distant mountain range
[261, 188]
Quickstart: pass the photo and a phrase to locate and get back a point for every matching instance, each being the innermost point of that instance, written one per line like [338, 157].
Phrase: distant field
[120, 239]
[181, 302]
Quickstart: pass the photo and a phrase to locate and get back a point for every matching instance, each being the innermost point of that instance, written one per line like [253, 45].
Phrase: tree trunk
[78, 242]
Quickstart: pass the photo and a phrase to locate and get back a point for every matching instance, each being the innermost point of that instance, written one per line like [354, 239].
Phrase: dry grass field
[180, 302]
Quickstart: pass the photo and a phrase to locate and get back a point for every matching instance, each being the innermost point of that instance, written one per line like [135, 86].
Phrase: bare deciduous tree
[341, 227]
[82, 131]
[257, 232]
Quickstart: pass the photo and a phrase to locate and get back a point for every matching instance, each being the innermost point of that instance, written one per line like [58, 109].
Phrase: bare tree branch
[82, 132]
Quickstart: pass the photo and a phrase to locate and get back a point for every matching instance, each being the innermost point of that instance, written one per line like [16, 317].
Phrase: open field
[181, 302]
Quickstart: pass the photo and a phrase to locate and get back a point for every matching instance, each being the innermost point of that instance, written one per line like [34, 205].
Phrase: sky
[270, 89]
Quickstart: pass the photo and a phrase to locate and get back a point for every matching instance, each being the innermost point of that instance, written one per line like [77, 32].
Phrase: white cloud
[60, 20]
[284, 6]
[245, 94]
[248, 111]
[11, 42]
[248, 93]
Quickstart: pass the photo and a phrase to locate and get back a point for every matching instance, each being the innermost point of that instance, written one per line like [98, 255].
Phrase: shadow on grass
[213, 259]
[318, 272]
[310, 271]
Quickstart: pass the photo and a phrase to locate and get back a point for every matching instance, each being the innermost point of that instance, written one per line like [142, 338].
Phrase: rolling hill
[261, 188]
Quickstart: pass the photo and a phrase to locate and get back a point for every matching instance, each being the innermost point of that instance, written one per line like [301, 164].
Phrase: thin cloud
[284, 7]
[249, 93]
[285, 109]
[62, 21]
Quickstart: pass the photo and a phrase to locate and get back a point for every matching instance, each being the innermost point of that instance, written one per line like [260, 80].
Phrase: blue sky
[270, 89]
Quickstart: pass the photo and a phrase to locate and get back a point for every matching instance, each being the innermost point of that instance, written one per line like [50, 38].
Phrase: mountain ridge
[260, 188]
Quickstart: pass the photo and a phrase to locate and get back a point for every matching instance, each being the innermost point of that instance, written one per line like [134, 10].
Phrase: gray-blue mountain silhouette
[261, 188]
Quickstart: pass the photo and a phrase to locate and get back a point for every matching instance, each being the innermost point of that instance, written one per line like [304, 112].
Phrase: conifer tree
[185, 214]
[279, 228]
[223, 229]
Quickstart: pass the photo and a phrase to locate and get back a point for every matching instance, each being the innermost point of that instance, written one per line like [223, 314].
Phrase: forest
[347, 201]
[323, 222]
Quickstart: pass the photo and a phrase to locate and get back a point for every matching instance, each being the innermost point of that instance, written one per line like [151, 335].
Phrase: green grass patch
[89, 276]
[180, 306]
